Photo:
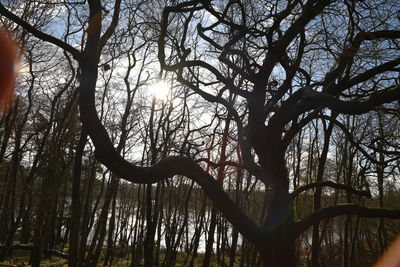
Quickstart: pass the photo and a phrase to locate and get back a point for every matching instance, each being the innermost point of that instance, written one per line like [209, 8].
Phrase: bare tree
[293, 62]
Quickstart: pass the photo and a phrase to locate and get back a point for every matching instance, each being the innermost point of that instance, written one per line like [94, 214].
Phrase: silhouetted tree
[274, 67]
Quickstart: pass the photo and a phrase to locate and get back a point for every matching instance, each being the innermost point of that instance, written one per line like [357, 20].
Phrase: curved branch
[39, 34]
[350, 138]
[220, 164]
[305, 99]
[310, 11]
[192, 63]
[251, 165]
[105, 151]
[343, 209]
[349, 53]
[368, 74]
[353, 107]
[114, 22]
[167, 167]
[365, 193]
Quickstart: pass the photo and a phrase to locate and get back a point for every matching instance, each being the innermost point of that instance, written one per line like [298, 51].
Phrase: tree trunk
[280, 250]
[316, 240]
[151, 226]
[277, 246]
[75, 202]
[210, 240]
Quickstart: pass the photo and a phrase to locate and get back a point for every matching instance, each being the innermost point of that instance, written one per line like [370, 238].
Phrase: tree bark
[75, 203]
[316, 242]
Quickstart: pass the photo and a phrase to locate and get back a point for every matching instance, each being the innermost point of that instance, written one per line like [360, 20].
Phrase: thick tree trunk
[278, 246]
[279, 250]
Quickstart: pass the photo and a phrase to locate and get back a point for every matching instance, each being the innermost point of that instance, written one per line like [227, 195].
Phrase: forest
[237, 133]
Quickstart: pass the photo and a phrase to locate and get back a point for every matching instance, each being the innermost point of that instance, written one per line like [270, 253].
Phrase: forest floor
[54, 262]
[21, 259]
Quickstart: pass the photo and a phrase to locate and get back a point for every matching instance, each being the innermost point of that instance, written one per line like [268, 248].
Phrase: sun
[160, 90]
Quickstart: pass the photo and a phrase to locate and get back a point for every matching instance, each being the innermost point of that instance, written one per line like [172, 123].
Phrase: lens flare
[391, 258]
[8, 69]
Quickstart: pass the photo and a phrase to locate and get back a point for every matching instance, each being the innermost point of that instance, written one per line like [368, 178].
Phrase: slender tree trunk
[316, 241]
[85, 211]
[380, 175]
[110, 232]
[26, 217]
[6, 212]
[220, 177]
[232, 253]
[197, 234]
[100, 233]
[210, 240]
[151, 226]
[75, 202]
